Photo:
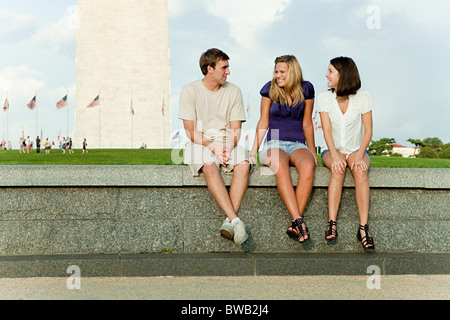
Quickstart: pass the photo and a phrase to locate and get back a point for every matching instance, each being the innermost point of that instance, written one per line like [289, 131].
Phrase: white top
[347, 128]
[212, 111]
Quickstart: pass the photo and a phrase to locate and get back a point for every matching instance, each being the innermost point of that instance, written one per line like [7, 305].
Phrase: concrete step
[222, 264]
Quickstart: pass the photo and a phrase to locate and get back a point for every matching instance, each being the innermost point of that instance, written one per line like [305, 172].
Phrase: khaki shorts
[196, 156]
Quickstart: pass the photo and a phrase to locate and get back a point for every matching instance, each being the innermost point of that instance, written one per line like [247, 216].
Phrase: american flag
[6, 106]
[317, 126]
[94, 103]
[62, 103]
[162, 109]
[32, 104]
[177, 135]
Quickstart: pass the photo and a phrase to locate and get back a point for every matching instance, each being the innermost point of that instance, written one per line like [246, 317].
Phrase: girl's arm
[368, 132]
[308, 128]
[339, 162]
[261, 128]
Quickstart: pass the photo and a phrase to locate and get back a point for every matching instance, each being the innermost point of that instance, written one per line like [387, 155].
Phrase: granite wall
[54, 210]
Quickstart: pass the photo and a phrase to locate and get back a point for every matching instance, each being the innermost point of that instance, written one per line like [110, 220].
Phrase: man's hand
[221, 153]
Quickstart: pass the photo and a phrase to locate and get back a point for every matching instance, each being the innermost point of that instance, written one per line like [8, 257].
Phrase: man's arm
[234, 135]
[197, 137]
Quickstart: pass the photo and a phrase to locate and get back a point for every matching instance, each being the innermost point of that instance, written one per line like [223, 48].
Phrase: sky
[401, 48]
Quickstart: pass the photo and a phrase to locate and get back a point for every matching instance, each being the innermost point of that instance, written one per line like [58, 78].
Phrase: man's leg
[239, 184]
[232, 227]
[218, 190]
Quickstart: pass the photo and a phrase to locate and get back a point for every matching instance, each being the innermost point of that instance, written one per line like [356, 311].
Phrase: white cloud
[61, 35]
[178, 7]
[16, 27]
[20, 81]
[247, 18]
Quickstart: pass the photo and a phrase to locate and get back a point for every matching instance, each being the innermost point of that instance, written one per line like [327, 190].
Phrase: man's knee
[209, 168]
[242, 167]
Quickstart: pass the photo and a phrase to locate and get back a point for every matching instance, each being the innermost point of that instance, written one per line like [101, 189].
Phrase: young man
[212, 111]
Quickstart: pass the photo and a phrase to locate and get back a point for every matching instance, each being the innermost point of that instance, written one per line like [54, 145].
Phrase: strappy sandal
[366, 241]
[331, 232]
[297, 225]
[291, 231]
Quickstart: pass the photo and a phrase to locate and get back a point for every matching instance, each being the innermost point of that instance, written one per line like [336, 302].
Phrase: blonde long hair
[293, 86]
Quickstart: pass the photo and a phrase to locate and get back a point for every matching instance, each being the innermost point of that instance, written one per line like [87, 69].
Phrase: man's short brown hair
[211, 58]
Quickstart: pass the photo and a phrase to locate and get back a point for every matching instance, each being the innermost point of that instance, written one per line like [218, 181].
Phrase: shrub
[427, 152]
[445, 152]
[396, 154]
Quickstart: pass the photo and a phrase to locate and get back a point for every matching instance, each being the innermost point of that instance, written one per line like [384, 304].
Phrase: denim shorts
[286, 146]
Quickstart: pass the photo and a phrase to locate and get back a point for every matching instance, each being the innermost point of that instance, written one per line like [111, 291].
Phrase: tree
[417, 143]
[381, 147]
[434, 143]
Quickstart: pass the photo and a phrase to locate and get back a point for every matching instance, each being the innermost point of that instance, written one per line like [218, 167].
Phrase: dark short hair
[349, 80]
[211, 58]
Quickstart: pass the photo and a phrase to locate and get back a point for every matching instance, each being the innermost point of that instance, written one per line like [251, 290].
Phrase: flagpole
[67, 112]
[314, 127]
[7, 126]
[7, 123]
[132, 131]
[164, 120]
[99, 121]
[132, 119]
[36, 115]
[248, 130]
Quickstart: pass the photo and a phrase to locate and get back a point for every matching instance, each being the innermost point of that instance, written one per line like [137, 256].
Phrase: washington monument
[123, 59]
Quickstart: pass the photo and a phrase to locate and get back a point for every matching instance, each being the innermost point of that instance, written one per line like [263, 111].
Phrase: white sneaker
[226, 231]
[240, 235]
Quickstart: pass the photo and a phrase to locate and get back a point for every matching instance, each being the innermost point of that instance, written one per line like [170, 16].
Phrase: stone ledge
[144, 209]
[222, 264]
[179, 176]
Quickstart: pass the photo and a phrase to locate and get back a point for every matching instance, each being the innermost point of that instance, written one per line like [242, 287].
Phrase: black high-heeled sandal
[366, 241]
[291, 231]
[297, 225]
[331, 232]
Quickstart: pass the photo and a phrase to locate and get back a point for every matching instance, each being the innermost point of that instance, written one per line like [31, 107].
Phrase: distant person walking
[63, 145]
[47, 146]
[38, 145]
[85, 146]
[69, 146]
[28, 143]
[22, 145]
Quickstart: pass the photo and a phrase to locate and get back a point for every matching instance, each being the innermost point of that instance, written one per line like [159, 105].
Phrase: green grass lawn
[94, 157]
[164, 157]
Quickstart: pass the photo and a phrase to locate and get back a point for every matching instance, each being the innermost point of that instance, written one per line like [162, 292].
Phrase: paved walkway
[421, 287]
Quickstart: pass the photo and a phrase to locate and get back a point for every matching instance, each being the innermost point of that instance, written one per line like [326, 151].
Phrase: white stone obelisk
[123, 49]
